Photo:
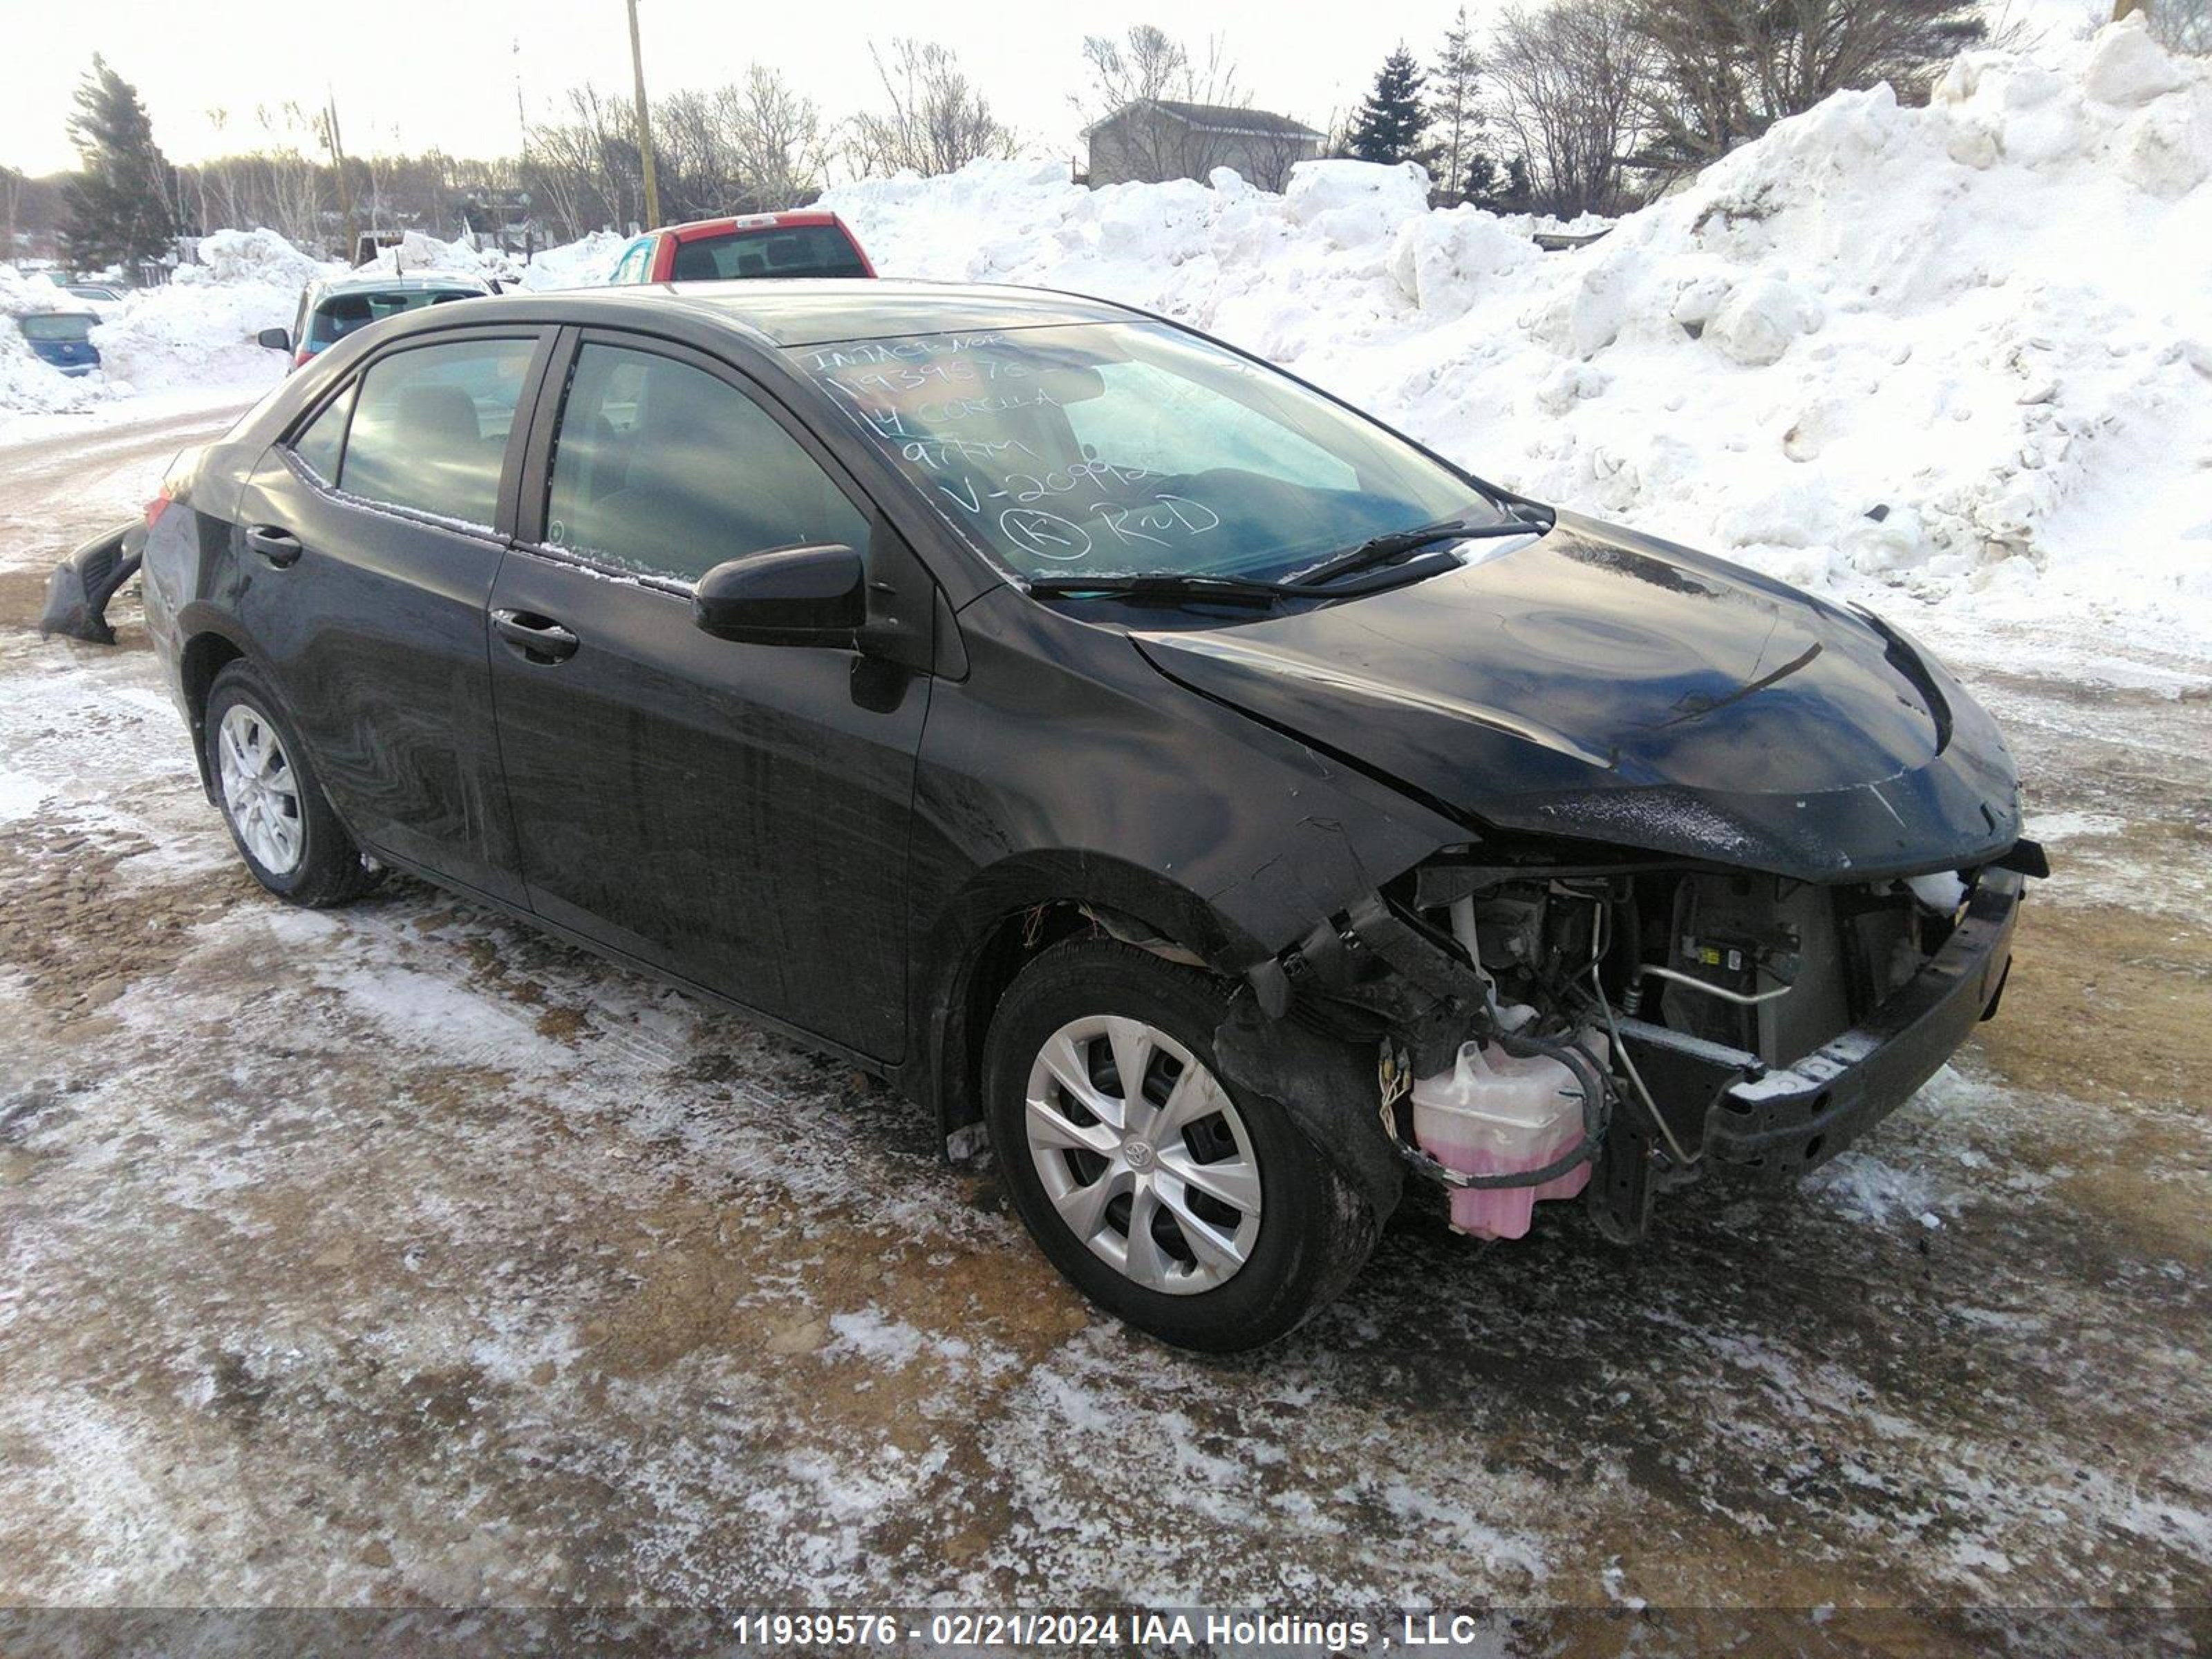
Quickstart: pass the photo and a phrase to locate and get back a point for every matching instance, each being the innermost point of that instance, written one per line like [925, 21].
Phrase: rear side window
[430, 425]
[790, 250]
[663, 469]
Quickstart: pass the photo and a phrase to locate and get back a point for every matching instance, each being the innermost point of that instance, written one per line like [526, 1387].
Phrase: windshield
[342, 313]
[1132, 448]
[58, 325]
[785, 250]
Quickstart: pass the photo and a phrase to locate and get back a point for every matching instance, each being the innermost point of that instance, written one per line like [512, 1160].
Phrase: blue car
[62, 338]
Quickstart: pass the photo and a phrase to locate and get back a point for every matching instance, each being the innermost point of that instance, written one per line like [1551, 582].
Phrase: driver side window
[665, 469]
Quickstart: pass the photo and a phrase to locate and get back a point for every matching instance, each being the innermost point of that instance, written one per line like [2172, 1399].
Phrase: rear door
[734, 814]
[373, 533]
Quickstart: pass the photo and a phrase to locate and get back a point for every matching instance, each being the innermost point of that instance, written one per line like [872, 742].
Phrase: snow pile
[586, 263]
[421, 254]
[198, 331]
[252, 256]
[1963, 349]
[197, 334]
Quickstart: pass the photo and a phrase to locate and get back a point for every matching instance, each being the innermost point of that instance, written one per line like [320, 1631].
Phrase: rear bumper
[1782, 1123]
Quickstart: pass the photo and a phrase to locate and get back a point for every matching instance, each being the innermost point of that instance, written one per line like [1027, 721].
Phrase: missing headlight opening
[1546, 1031]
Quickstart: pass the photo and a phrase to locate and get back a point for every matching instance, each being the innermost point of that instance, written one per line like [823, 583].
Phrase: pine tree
[1453, 115]
[1477, 180]
[1392, 123]
[119, 205]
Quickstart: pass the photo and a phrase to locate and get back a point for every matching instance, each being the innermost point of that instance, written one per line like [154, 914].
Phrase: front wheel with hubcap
[1171, 1200]
[281, 823]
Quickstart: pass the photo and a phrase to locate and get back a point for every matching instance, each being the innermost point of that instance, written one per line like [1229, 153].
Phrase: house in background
[1155, 139]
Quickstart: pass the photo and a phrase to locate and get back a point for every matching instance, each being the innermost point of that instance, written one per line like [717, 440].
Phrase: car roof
[693, 228]
[456, 281]
[816, 311]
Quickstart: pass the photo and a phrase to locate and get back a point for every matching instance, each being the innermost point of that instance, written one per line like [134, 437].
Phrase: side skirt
[806, 1039]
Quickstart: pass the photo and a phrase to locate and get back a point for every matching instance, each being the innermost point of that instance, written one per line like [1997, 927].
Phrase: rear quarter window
[322, 443]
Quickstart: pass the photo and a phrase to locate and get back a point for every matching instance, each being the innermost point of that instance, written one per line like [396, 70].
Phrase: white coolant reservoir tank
[1499, 1114]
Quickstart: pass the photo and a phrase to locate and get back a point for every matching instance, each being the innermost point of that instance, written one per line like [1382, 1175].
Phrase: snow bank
[198, 331]
[198, 334]
[576, 265]
[1963, 350]
[252, 256]
[584, 263]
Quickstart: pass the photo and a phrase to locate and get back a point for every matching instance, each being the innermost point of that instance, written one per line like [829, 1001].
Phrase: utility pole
[336, 145]
[644, 125]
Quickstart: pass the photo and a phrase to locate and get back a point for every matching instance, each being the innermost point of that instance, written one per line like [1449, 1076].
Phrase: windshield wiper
[1380, 549]
[1163, 585]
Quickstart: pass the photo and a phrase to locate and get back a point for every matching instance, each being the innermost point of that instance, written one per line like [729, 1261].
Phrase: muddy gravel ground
[398, 1256]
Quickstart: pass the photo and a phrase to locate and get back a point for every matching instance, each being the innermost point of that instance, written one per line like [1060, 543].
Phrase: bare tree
[2177, 25]
[696, 166]
[1266, 155]
[776, 139]
[938, 120]
[11, 197]
[291, 185]
[1146, 68]
[1726, 71]
[1568, 83]
[584, 168]
[1454, 117]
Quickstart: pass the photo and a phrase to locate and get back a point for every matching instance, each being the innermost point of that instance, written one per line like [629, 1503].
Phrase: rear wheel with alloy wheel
[279, 820]
[1172, 1200]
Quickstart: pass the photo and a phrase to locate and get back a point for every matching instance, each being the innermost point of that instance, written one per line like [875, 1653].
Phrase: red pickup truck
[805, 242]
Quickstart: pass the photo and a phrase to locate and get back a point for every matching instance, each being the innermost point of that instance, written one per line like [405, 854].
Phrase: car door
[372, 534]
[732, 813]
[634, 264]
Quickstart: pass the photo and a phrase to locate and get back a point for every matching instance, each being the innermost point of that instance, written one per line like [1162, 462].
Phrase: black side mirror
[794, 596]
[276, 339]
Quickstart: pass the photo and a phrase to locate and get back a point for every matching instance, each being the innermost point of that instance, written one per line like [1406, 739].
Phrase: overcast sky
[414, 73]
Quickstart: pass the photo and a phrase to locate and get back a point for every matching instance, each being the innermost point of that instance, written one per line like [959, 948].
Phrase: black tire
[329, 869]
[1315, 1231]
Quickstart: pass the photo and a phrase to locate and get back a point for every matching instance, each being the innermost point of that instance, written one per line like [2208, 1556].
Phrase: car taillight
[156, 508]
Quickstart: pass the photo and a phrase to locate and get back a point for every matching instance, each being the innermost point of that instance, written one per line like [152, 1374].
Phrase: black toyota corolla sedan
[1247, 815]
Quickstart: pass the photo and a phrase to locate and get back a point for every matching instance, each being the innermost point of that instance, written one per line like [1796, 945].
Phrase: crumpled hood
[1605, 685]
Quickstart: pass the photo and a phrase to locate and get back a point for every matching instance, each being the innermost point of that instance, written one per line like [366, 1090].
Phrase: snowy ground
[398, 1255]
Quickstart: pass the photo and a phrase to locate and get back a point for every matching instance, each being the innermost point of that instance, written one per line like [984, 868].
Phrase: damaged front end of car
[1742, 871]
[1546, 1025]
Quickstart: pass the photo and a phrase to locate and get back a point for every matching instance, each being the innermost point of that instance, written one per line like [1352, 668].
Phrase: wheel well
[205, 656]
[1002, 953]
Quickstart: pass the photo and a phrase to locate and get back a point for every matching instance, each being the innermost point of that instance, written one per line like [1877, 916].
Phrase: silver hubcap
[259, 793]
[1143, 1154]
